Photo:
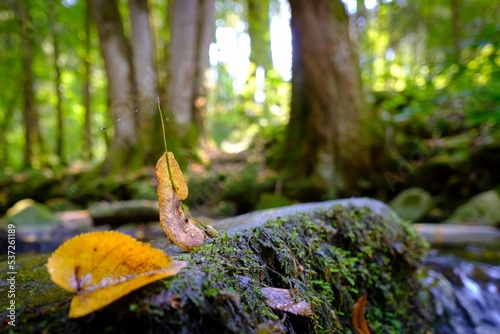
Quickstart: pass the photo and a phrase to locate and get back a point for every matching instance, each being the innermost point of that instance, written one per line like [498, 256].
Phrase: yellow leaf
[102, 267]
[177, 226]
[172, 169]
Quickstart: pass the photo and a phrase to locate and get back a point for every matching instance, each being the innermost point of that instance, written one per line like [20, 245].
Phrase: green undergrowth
[328, 259]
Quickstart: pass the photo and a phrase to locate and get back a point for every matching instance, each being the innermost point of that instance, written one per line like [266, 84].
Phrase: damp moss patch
[328, 258]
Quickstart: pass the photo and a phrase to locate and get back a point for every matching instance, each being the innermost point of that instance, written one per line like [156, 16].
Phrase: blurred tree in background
[328, 139]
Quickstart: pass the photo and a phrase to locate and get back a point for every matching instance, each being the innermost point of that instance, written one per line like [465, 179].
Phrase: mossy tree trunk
[191, 34]
[259, 32]
[260, 43]
[132, 86]
[121, 99]
[327, 259]
[260, 36]
[327, 139]
[33, 150]
[145, 83]
[87, 127]
[60, 137]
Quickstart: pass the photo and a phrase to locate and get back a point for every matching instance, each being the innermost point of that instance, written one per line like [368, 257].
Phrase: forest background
[268, 102]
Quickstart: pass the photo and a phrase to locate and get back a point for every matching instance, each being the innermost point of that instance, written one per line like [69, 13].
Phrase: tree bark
[260, 36]
[58, 85]
[457, 31]
[191, 34]
[327, 139]
[260, 43]
[205, 36]
[145, 81]
[33, 150]
[6, 121]
[87, 139]
[115, 51]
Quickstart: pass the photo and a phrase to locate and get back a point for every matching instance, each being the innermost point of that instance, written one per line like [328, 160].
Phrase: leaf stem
[162, 125]
[165, 143]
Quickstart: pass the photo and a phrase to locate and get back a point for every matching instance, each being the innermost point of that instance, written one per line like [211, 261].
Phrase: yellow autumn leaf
[101, 267]
[170, 167]
[179, 228]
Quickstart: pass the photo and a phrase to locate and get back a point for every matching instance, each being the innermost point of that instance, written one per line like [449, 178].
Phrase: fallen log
[326, 258]
[124, 212]
[455, 235]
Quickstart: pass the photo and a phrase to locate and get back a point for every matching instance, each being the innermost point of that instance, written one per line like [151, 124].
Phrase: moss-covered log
[329, 258]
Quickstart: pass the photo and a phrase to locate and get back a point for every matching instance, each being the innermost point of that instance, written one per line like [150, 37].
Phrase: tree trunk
[260, 36]
[457, 31]
[145, 79]
[87, 141]
[6, 122]
[327, 140]
[33, 142]
[58, 84]
[260, 44]
[191, 34]
[205, 36]
[116, 54]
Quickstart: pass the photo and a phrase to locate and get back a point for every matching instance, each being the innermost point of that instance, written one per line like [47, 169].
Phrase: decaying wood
[221, 289]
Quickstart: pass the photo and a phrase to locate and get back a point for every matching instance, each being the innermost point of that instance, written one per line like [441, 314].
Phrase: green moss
[35, 295]
[328, 259]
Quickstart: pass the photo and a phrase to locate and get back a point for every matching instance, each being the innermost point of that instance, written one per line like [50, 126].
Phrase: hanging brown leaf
[281, 299]
[101, 267]
[172, 188]
[358, 316]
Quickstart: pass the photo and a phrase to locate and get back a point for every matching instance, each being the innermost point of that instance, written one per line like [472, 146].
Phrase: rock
[483, 209]
[412, 204]
[28, 216]
[124, 212]
[328, 256]
[37, 228]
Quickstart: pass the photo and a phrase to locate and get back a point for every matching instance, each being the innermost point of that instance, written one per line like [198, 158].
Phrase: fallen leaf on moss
[281, 299]
[358, 316]
[101, 267]
[172, 188]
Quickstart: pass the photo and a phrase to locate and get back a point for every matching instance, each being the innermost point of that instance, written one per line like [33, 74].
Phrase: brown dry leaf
[177, 226]
[358, 316]
[181, 188]
[175, 302]
[281, 299]
[102, 267]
